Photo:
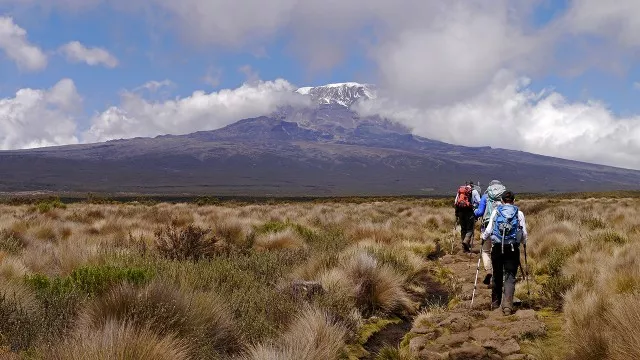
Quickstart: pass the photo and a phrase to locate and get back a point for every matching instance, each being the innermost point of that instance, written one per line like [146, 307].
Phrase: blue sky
[429, 56]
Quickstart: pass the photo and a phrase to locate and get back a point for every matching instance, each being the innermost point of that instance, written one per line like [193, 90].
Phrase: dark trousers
[504, 264]
[467, 223]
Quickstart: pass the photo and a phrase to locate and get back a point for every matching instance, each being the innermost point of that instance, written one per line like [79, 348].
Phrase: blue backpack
[507, 224]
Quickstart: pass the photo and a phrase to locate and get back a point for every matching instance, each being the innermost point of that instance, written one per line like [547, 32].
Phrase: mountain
[326, 150]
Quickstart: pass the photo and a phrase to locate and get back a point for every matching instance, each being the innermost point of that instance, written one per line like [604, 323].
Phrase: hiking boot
[487, 279]
[495, 305]
[506, 311]
[466, 248]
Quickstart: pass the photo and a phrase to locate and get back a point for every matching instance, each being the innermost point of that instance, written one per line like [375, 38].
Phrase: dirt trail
[462, 332]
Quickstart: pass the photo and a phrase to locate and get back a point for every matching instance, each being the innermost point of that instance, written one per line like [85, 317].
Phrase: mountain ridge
[326, 150]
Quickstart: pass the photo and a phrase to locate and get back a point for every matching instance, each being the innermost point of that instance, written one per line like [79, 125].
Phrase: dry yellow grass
[312, 336]
[116, 340]
[94, 278]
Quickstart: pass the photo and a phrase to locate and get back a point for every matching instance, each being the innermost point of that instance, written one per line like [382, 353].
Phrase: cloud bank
[137, 116]
[36, 118]
[508, 114]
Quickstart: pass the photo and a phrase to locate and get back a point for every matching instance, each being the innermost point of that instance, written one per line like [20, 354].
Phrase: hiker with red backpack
[507, 230]
[464, 203]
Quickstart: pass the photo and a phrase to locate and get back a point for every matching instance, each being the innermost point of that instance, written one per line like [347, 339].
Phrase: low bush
[190, 243]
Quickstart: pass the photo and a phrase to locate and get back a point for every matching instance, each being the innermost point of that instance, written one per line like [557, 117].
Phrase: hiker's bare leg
[486, 261]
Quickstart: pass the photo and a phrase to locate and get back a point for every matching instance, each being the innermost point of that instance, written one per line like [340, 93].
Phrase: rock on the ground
[483, 334]
[456, 323]
[422, 345]
[526, 329]
[526, 314]
[504, 347]
[469, 352]
[452, 340]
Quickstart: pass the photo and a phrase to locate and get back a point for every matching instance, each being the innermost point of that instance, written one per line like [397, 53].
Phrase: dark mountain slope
[268, 155]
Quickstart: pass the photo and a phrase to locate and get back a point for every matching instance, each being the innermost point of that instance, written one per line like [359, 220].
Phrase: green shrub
[44, 206]
[88, 280]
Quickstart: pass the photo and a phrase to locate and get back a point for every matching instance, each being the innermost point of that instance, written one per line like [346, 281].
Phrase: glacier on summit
[345, 94]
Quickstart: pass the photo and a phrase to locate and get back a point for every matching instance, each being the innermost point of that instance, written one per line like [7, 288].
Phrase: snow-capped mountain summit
[344, 94]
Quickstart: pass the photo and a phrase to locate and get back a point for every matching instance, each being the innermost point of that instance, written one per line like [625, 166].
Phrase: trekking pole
[475, 283]
[526, 265]
[504, 273]
[455, 225]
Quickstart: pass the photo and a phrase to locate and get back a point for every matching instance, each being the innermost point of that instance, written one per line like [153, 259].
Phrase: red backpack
[464, 197]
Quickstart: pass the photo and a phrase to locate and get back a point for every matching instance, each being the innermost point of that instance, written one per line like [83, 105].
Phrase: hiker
[488, 202]
[464, 214]
[506, 229]
[475, 195]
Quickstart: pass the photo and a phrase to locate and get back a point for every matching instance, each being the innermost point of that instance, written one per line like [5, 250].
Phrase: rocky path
[461, 332]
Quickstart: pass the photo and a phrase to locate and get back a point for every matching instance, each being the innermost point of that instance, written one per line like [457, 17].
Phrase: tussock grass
[117, 340]
[313, 335]
[202, 320]
[283, 239]
[214, 279]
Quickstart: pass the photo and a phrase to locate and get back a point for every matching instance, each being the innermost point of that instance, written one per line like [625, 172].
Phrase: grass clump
[120, 340]
[284, 239]
[190, 243]
[313, 335]
[203, 320]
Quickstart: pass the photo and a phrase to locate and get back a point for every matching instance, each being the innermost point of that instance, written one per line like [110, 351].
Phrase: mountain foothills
[326, 150]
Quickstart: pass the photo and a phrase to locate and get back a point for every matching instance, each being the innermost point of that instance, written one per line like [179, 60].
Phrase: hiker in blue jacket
[506, 230]
[490, 199]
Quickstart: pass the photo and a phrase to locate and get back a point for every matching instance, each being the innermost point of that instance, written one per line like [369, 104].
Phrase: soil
[463, 331]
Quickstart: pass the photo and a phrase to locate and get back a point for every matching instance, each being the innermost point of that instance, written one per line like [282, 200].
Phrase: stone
[452, 340]
[526, 329]
[429, 355]
[418, 344]
[483, 334]
[456, 323]
[422, 330]
[469, 352]
[526, 314]
[504, 347]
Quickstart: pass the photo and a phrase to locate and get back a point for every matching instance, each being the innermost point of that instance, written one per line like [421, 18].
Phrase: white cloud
[36, 118]
[76, 52]
[508, 114]
[137, 116]
[154, 85]
[16, 46]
